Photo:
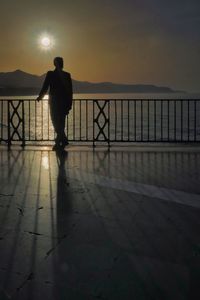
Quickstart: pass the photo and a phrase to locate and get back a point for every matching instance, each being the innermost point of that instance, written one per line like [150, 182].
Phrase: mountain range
[22, 83]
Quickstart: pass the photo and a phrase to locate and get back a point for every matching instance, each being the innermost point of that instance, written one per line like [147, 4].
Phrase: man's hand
[38, 98]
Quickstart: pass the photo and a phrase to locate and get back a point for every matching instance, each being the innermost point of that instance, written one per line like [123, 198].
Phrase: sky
[122, 41]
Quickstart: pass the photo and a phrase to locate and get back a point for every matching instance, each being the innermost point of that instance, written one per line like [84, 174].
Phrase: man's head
[58, 62]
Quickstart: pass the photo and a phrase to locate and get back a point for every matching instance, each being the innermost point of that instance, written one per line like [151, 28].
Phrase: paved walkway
[86, 224]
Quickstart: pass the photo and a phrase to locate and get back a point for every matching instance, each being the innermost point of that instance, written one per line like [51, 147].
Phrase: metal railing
[100, 121]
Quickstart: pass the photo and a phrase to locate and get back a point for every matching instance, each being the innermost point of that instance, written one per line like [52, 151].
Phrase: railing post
[15, 115]
[108, 123]
[105, 121]
[93, 124]
[23, 125]
[8, 120]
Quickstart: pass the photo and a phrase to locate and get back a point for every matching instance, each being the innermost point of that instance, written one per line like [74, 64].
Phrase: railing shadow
[15, 236]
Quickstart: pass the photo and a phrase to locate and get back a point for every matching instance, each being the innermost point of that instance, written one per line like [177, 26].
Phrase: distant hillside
[22, 83]
[20, 79]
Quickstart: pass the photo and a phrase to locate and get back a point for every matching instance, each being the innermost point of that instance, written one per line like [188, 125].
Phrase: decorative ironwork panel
[101, 121]
[16, 121]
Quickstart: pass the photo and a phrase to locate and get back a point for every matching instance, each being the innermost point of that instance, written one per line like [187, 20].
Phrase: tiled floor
[86, 224]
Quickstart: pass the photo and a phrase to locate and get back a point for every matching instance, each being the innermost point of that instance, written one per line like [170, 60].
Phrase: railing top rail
[109, 99]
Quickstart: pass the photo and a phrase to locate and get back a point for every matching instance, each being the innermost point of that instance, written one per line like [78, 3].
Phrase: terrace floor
[87, 224]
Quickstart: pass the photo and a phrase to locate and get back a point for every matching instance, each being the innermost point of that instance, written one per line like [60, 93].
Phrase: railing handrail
[107, 99]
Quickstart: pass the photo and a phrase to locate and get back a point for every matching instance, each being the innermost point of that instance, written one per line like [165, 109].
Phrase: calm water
[120, 96]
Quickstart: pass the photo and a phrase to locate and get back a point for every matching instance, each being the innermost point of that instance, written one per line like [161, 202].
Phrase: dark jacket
[59, 84]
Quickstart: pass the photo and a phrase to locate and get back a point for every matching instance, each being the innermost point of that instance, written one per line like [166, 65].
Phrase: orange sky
[128, 41]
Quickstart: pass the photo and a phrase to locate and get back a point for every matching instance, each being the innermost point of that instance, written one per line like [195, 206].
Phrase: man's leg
[58, 121]
[62, 134]
[55, 121]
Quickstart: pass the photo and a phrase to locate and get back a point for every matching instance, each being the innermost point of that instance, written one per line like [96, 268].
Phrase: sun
[46, 42]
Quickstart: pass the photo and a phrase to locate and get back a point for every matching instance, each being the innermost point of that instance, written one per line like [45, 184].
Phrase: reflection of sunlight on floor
[105, 219]
[45, 161]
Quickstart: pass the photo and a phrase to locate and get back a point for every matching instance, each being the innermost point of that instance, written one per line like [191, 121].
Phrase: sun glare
[46, 42]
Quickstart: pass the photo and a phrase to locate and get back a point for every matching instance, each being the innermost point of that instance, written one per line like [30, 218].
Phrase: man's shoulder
[49, 73]
[67, 74]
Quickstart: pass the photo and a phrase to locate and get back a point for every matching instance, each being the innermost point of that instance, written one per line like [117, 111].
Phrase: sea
[119, 96]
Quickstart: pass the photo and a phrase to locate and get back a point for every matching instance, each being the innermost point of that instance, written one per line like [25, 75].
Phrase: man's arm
[70, 92]
[45, 87]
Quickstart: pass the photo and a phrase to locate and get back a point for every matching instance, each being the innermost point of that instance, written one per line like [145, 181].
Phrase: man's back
[59, 83]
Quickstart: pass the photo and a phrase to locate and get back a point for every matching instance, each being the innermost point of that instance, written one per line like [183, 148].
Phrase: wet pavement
[83, 224]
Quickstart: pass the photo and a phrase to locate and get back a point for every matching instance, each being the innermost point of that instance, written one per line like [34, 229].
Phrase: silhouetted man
[59, 84]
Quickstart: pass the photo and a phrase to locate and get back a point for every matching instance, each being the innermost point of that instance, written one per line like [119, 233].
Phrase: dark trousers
[58, 120]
